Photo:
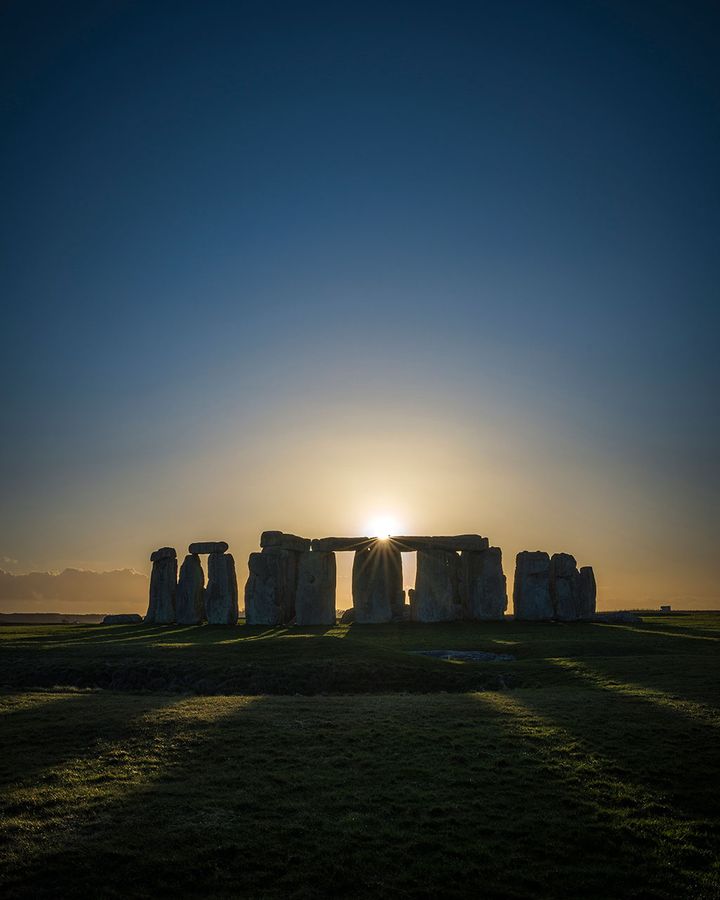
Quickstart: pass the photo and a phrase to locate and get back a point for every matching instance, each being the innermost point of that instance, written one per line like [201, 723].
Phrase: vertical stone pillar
[483, 584]
[163, 584]
[531, 590]
[565, 587]
[271, 587]
[377, 587]
[437, 596]
[588, 592]
[315, 596]
[221, 593]
[189, 599]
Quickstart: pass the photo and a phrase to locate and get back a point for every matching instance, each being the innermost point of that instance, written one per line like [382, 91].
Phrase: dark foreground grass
[598, 780]
[345, 658]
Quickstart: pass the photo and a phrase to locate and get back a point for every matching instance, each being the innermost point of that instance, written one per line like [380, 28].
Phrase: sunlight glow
[382, 527]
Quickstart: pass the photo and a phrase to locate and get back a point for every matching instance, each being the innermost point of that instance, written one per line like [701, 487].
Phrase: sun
[382, 527]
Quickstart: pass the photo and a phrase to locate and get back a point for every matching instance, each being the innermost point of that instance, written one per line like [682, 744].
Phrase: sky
[276, 265]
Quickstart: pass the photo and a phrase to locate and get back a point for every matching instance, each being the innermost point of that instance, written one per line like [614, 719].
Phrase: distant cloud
[74, 590]
[8, 561]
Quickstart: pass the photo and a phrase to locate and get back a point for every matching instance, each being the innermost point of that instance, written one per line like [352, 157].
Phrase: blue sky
[454, 259]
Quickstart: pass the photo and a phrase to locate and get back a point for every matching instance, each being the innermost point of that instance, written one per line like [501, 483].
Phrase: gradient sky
[294, 265]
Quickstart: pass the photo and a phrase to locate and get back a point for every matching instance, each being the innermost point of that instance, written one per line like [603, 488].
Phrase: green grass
[591, 772]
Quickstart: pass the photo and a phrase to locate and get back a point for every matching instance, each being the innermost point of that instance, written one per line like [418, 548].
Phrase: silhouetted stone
[565, 587]
[123, 619]
[483, 584]
[454, 543]
[189, 599]
[531, 590]
[348, 616]
[331, 544]
[437, 596]
[588, 592]
[208, 547]
[221, 593]
[315, 596]
[377, 589]
[271, 587]
[163, 584]
[163, 553]
[281, 541]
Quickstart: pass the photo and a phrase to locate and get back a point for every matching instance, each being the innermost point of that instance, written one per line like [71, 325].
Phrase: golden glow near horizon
[382, 526]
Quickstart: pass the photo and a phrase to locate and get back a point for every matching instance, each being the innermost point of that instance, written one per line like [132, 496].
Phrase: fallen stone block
[123, 619]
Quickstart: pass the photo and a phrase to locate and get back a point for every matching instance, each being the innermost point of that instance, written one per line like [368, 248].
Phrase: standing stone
[315, 597]
[531, 591]
[271, 586]
[221, 593]
[163, 553]
[483, 584]
[163, 584]
[588, 592]
[377, 583]
[565, 587]
[189, 599]
[437, 595]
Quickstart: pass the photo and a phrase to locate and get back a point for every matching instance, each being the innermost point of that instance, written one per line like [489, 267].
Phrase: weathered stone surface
[123, 619]
[163, 553]
[315, 597]
[588, 592]
[221, 593]
[330, 544]
[377, 589]
[565, 587]
[281, 541]
[163, 584]
[208, 547]
[531, 590]
[271, 587]
[437, 595]
[483, 584]
[189, 599]
[457, 542]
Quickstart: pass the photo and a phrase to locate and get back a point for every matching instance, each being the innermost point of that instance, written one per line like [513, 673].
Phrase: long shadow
[38, 738]
[657, 749]
[364, 796]
[595, 678]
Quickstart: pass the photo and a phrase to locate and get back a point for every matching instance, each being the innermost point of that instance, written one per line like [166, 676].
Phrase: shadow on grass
[57, 726]
[458, 796]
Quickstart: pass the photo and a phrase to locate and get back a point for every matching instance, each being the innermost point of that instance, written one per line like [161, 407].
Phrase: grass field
[332, 762]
